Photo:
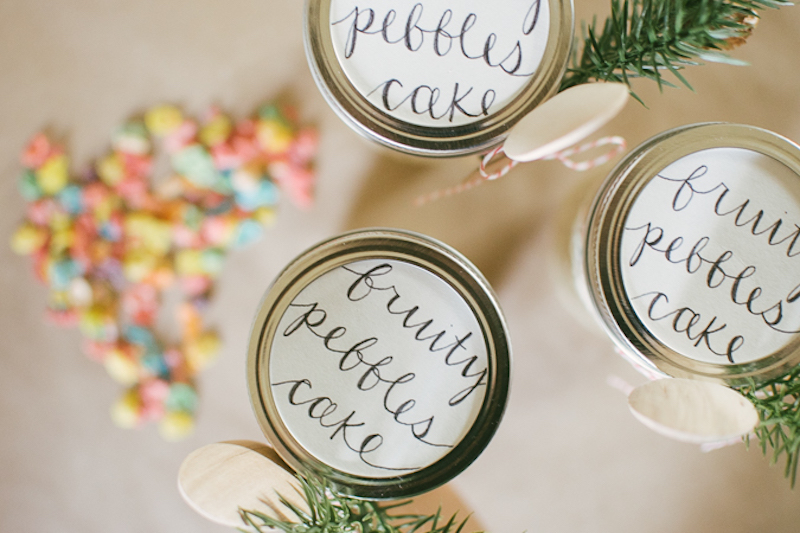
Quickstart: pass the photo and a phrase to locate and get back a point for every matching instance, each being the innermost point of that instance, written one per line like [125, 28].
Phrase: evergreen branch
[329, 512]
[778, 406]
[646, 38]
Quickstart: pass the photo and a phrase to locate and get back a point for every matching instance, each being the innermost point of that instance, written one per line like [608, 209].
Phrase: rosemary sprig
[778, 406]
[329, 512]
[645, 38]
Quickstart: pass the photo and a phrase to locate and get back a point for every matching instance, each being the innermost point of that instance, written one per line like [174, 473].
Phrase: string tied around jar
[570, 117]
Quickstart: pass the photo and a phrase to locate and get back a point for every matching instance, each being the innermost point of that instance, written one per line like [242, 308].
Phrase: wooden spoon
[219, 479]
[693, 411]
[564, 120]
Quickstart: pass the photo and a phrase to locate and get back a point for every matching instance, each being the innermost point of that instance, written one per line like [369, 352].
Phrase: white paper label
[439, 63]
[378, 368]
[710, 256]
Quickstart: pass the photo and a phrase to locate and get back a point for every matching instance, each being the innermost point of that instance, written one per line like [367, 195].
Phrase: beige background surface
[568, 457]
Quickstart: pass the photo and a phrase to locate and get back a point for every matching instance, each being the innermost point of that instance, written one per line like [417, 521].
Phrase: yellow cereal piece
[126, 411]
[162, 276]
[216, 131]
[139, 264]
[104, 210]
[59, 299]
[53, 175]
[149, 232]
[61, 240]
[110, 169]
[265, 215]
[121, 367]
[200, 352]
[273, 136]
[176, 425]
[189, 262]
[163, 119]
[27, 239]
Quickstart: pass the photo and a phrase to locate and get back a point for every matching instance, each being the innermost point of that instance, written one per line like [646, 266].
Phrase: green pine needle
[778, 406]
[329, 512]
[647, 38]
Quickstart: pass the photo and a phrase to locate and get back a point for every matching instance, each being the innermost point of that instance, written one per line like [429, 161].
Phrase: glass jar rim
[474, 137]
[438, 259]
[602, 268]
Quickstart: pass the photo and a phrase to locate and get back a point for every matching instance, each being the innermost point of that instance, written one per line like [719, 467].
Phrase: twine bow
[564, 156]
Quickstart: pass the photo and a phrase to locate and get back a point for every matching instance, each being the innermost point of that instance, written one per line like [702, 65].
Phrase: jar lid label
[710, 256]
[434, 63]
[379, 359]
[378, 368]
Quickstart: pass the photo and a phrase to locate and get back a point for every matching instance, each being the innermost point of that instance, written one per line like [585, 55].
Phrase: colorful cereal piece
[216, 130]
[163, 119]
[122, 366]
[29, 186]
[127, 410]
[37, 151]
[28, 238]
[176, 425]
[53, 175]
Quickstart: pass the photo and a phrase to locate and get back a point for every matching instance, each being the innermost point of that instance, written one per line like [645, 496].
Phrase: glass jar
[689, 256]
[435, 78]
[380, 360]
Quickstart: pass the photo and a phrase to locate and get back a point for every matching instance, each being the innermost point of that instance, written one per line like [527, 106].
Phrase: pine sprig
[329, 512]
[778, 406]
[647, 38]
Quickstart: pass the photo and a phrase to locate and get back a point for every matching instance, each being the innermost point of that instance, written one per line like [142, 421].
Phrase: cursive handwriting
[718, 273]
[368, 281]
[353, 358]
[423, 100]
[689, 322]
[722, 268]
[743, 215]
[322, 409]
[409, 33]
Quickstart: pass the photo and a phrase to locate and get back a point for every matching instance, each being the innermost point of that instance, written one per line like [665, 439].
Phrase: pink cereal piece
[174, 358]
[41, 261]
[137, 164]
[37, 151]
[94, 194]
[154, 391]
[62, 317]
[195, 285]
[182, 137]
[245, 148]
[140, 303]
[304, 147]
[297, 182]
[97, 350]
[225, 157]
[185, 237]
[215, 230]
[134, 190]
[152, 411]
[246, 128]
[41, 211]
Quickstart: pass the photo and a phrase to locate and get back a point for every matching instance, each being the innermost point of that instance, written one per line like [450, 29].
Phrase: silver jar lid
[435, 78]
[692, 253]
[380, 360]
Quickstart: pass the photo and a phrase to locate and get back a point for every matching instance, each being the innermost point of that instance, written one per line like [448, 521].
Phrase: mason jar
[688, 256]
[379, 360]
[435, 78]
